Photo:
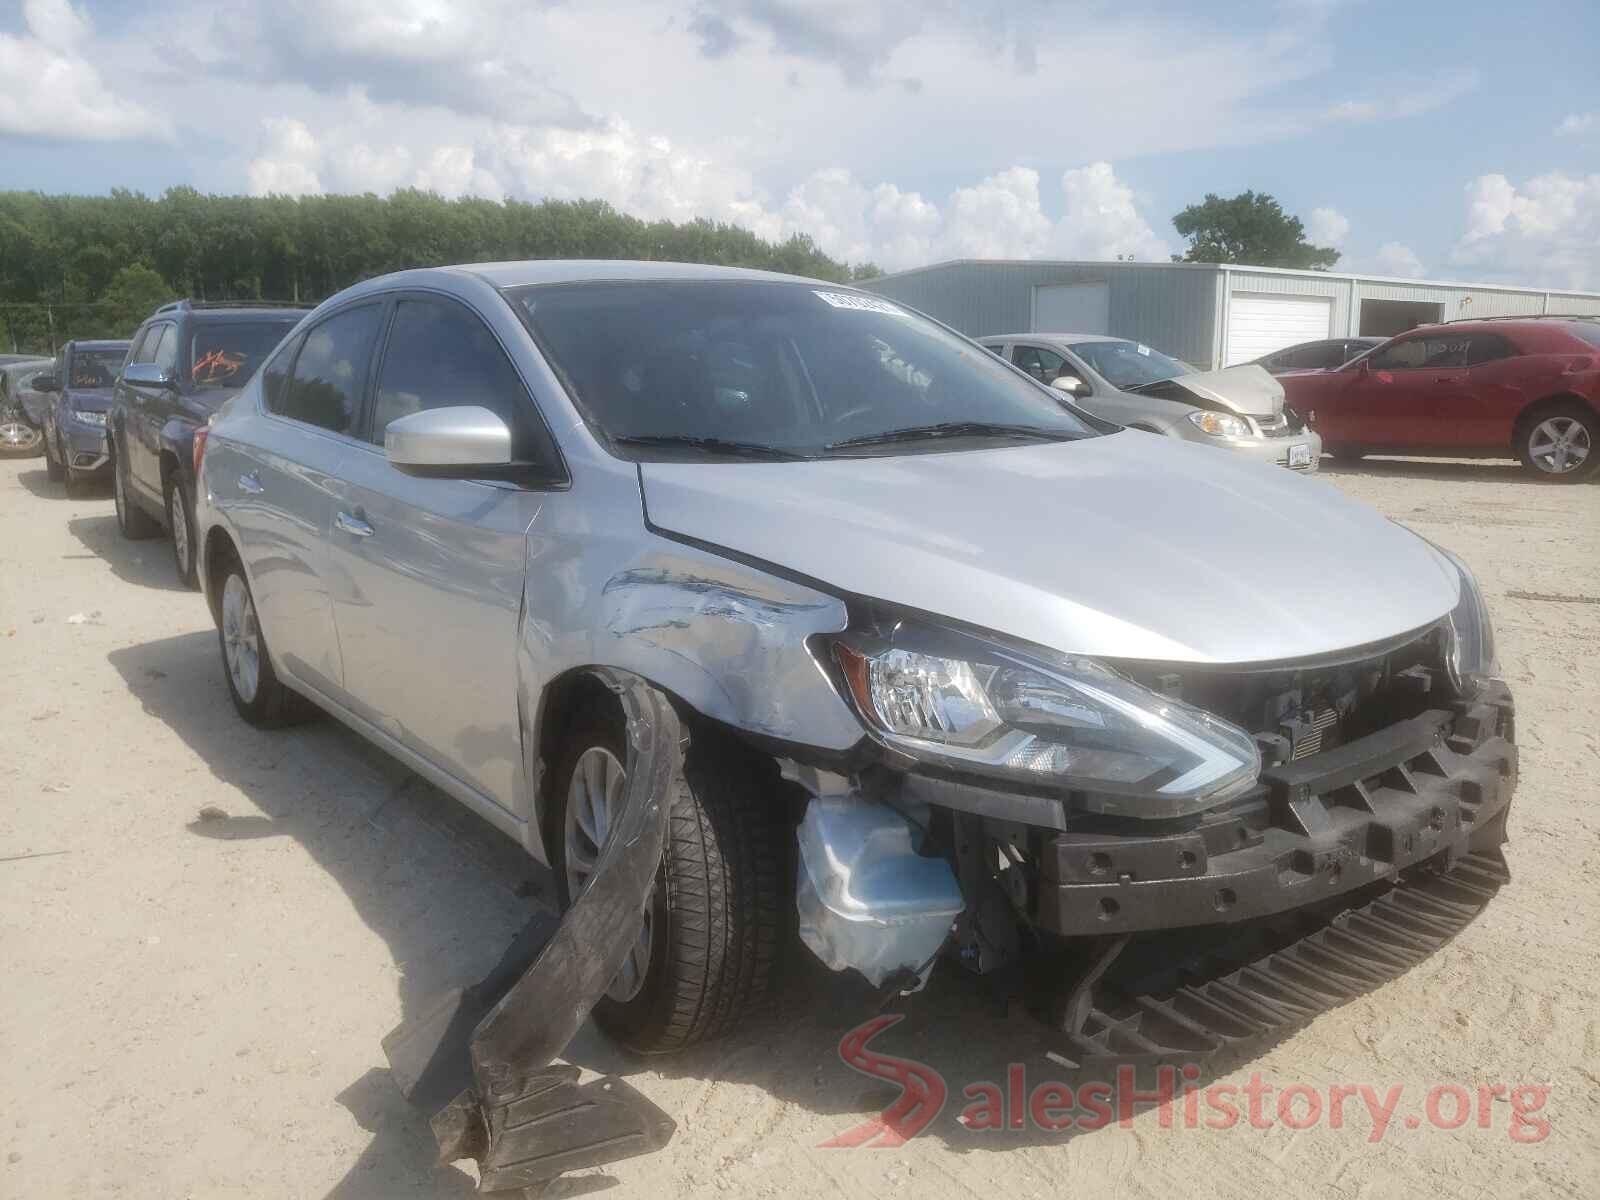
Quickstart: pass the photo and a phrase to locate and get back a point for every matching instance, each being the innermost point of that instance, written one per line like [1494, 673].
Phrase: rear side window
[441, 355]
[330, 372]
[1487, 347]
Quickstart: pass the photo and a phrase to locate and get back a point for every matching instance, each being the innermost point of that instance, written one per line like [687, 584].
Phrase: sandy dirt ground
[192, 1006]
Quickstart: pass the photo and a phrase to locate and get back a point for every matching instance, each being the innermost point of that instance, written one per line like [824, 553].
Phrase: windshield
[708, 368]
[95, 368]
[226, 355]
[1130, 364]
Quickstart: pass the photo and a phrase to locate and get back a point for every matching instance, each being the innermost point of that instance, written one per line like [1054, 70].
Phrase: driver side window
[1407, 355]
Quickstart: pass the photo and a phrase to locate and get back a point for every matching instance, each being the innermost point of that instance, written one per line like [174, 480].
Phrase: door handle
[353, 525]
[250, 484]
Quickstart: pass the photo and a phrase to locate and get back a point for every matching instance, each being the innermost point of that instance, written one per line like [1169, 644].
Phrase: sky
[1454, 140]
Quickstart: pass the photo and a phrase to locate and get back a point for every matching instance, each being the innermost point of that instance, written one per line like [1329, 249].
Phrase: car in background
[1528, 387]
[1321, 355]
[75, 418]
[21, 424]
[188, 358]
[1238, 409]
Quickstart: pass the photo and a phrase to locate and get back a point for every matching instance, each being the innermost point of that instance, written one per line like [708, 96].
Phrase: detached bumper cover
[1432, 789]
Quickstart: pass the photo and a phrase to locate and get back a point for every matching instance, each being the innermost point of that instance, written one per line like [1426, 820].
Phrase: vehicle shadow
[446, 892]
[147, 562]
[1459, 470]
[38, 482]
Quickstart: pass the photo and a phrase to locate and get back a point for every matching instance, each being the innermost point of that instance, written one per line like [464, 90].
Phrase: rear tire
[716, 912]
[133, 521]
[1559, 444]
[257, 695]
[180, 520]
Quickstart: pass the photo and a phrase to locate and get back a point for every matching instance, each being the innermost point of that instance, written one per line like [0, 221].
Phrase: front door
[146, 406]
[428, 572]
[1396, 394]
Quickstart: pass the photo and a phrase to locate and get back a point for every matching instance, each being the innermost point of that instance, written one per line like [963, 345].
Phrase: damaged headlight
[1469, 653]
[1071, 722]
[1219, 424]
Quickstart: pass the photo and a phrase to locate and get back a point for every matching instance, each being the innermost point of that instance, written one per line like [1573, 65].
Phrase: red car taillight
[200, 436]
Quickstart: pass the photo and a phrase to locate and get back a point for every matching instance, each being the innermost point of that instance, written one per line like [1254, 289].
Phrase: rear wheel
[1560, 444]
[257, 694]
[705, 956]
[132, 520]
[180, 520]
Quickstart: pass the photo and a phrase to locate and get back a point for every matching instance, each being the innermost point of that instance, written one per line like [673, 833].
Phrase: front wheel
[705, 956]
[253, 684]
[53, 467]
[1560, 445]
[18, 439]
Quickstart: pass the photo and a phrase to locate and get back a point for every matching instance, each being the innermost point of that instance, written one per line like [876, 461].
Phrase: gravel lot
[205, 930]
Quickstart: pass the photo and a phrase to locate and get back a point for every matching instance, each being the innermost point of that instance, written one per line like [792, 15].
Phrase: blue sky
[1460, 140]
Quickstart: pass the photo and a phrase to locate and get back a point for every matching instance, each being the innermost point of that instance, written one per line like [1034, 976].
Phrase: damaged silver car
[961, 670]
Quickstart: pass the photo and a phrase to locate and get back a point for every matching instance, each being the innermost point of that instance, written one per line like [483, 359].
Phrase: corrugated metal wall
[1176, 308]
[1170, 308]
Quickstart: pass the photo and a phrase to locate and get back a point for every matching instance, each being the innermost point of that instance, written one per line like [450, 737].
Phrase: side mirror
[147, 374]
[1070, 384]
[46, 383]
[438, 440]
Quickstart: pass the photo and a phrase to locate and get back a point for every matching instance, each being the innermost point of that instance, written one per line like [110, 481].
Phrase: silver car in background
[1238, 408]
[959, 668]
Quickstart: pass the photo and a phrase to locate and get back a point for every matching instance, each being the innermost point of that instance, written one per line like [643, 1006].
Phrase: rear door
[429, 571]
[278, 487]
[1491, 395]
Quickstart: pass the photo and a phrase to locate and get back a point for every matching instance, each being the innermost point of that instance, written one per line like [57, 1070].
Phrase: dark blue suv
[75, 420]
[187, 359]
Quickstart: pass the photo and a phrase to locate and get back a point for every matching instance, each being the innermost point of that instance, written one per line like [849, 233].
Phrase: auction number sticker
[858, 303]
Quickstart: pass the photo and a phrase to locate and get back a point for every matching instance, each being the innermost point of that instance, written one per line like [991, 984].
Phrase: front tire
[53, 468]
[706, 957]
[1560, 444]
[257, 695]
[180, 520]
[133, 522]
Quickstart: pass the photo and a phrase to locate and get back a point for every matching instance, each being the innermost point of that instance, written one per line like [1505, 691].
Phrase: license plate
[1300, 455]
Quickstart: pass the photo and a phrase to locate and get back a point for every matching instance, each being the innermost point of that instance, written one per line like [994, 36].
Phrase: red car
[1528, 387]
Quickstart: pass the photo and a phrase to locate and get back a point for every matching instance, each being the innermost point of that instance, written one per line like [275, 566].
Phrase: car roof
[585, 270]
[205, 316]
[1065, 338]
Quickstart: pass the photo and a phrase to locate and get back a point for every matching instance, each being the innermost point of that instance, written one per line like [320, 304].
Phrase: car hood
[1248, 390]
[90, 399]
[1121, 546]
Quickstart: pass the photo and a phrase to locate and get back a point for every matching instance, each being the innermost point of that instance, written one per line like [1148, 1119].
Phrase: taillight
[200, 436]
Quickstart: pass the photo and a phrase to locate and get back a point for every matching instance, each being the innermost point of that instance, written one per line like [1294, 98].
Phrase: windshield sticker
[1143, 349]
[218, 367]
[859, 303]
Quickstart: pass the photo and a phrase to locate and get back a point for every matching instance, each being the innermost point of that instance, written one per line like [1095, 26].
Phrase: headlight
[89, 418]
[1071, 722]
[1470, 657]
[1219, 424]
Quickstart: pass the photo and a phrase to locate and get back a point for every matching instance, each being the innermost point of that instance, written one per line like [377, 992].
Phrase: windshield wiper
[948, 429]
[711, 445]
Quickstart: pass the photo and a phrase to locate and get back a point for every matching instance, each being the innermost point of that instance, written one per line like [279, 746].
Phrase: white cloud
[1577, 124]
[1327, 227]
[288, 161]
[52, 88]
[1396, 258]
[1544, 232]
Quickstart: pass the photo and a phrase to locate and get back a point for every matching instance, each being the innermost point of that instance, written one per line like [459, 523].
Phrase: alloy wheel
[593, 798]
[1559, 445]
[18, 435]
[241, 638]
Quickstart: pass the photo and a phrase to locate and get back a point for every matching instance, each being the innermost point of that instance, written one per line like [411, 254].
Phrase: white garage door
[1072, 308]
[1259, 325]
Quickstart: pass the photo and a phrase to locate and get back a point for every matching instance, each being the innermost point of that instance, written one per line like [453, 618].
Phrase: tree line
[95, 266]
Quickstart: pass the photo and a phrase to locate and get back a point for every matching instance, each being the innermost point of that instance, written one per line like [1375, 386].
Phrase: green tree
[1249, 228]
[132, 295]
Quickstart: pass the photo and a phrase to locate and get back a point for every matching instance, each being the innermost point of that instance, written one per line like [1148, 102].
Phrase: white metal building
[1208, 314]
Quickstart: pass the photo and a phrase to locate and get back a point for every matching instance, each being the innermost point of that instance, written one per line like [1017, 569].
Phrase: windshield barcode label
[859, 303]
